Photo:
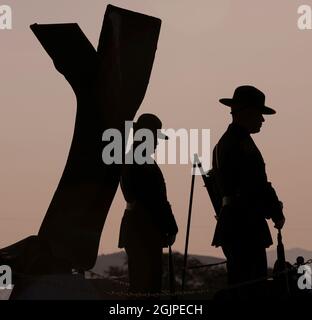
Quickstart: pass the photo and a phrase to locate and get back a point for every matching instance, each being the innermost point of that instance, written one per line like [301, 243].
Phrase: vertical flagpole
[188, 225]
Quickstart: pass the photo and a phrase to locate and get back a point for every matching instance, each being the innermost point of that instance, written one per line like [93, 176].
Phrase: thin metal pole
[171, 272]
[188, 225]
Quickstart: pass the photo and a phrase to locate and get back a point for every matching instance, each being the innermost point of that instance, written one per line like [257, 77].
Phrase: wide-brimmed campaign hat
[151, 122]
[247, 97]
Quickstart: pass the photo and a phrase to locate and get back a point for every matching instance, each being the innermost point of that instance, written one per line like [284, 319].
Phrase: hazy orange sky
[205, 50]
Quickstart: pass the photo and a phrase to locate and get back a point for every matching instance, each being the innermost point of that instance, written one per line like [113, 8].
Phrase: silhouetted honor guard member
[148, 223]
[248, 199]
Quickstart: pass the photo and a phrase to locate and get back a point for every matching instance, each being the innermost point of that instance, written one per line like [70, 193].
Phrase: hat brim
[231, 103]
[156, 131]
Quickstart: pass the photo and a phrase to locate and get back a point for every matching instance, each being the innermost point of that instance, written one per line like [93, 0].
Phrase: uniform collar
[238, 130]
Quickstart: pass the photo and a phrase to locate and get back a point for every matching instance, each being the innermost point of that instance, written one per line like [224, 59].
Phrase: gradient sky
[205, 50]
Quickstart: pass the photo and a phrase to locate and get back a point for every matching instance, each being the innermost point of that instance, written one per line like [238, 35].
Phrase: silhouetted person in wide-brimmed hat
[148, 223]
[248, 199]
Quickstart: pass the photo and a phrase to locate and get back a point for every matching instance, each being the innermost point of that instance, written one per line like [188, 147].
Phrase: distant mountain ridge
[118, 259]
[290, 254]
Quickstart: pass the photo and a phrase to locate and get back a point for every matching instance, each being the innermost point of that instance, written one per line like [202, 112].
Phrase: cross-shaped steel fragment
[109, 84]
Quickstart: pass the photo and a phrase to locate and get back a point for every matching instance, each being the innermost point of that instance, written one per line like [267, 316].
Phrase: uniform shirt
[240, 173]
[151, 217]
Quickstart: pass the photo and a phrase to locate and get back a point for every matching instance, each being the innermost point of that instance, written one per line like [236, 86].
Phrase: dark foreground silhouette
[247, 199]
[148, 224]
[109, 84]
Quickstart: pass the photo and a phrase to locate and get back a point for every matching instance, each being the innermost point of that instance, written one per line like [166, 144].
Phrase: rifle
[216, 199]
[211, 186]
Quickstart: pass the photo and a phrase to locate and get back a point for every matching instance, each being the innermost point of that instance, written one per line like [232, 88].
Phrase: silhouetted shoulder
[230, 146]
